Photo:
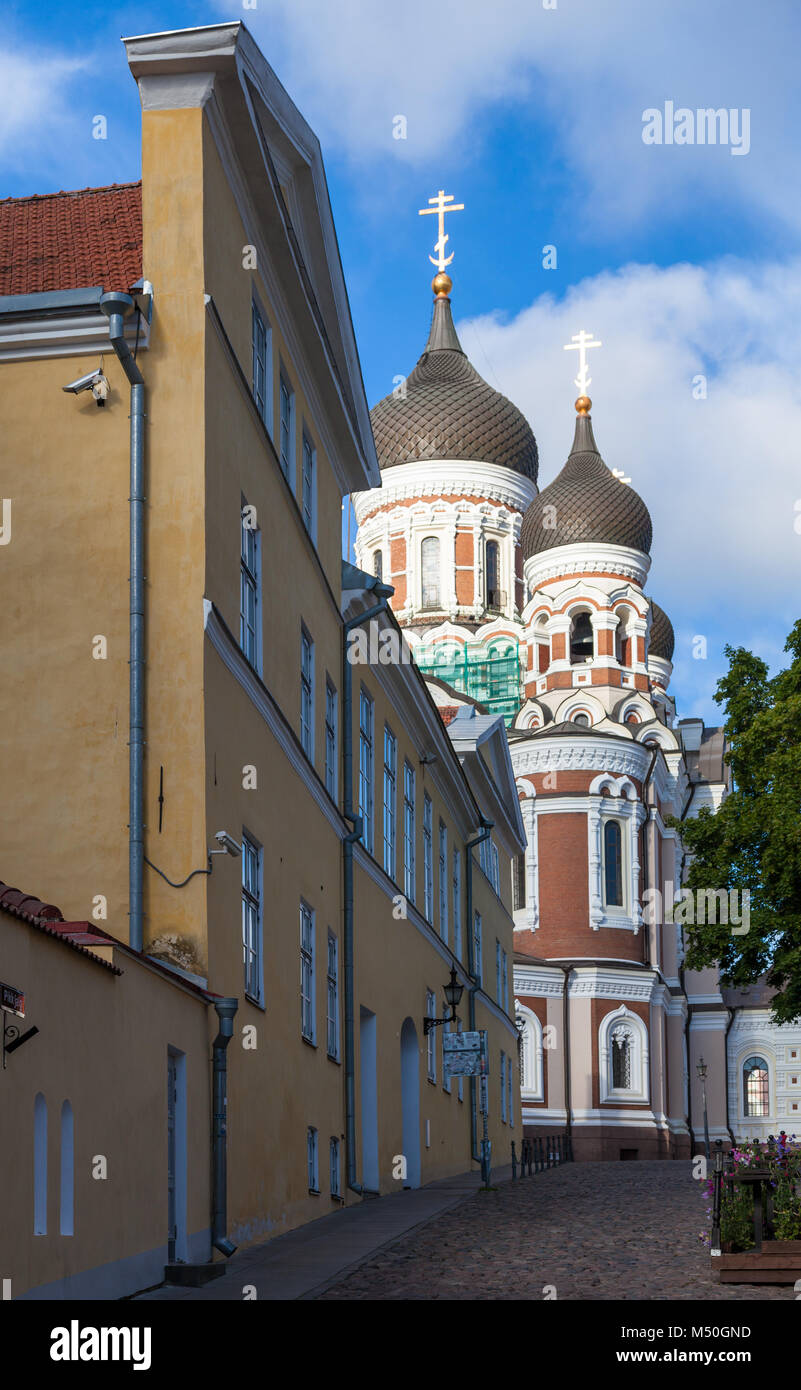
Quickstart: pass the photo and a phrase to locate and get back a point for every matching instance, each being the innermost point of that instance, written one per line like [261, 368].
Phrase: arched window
[582, 719]
[378, 564]
[613, 864]
[493, 571]
[756, 1089]
[622, 638]
[40, 1166]
[543, 645]
[531, 1070]
[429, 557]
[623, 1049]
[66, 1217]
[581, 640]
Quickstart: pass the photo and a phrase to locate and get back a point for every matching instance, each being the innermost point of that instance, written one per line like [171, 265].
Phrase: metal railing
[539, 1153]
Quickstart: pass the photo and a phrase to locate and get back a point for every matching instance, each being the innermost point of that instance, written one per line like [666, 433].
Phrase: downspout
[347, 875]
[566, 969]
[732, 1013]
[645, 859]
[226, 1008]
[684, 992]
[116, 307]
[487, 829]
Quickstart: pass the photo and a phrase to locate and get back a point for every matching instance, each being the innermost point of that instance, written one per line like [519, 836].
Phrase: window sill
[314, 1192]
[335, 1197]
[432, 1080]
[332, 1058]
[257, 1003]
[308, 1041]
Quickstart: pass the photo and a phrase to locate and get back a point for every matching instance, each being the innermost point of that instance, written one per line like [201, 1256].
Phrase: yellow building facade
[306, 817]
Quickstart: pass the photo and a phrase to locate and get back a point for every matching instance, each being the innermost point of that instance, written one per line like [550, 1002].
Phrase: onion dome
[589, 503]
[447, 411]
[662, 638]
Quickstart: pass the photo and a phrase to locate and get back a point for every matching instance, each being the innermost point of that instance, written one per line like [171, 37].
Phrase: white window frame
[249, 583]
[532, 1076]
[308, 485]
[312, 1160]
[428, 858]
[252, 918]
[505, 980]
[262, 364]
[307, 692]
[431, 1040]
[498, 985]
[367, 766]
[308, 1020]
[332, 997]
[503, 1087]
[639, 1090]
[409, 832]
[446, 1079]
[478, 961]
[460, 1087]
[510, 1099]
[331, 739]
[390, 808]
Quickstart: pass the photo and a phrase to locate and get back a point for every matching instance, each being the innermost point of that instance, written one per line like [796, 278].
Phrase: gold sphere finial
[583, 405]
[442, 285]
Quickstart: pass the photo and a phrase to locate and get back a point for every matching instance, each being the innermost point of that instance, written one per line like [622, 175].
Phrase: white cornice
[563, 752]
[447, 478]
[586, 559]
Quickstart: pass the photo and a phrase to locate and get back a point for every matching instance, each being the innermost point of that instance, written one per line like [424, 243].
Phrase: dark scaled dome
[449, 412]
[662, 637]
[590, 504]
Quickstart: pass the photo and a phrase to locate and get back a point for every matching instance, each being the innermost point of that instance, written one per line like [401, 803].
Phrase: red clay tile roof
[64, 241]
[48, 918]
[448, 713]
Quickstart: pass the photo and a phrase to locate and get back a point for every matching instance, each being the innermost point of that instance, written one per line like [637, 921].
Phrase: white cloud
[35, 111]
[720, 476]
[587, 70]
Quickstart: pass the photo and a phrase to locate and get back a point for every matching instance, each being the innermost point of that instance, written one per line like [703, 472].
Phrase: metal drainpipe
[645, 859]
[226, 1008]
[488, 827]
[116, 307]
[726, 1073]
[347, 874]
[566, 969]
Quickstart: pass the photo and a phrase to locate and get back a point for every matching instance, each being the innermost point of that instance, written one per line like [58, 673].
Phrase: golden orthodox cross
[440, 208]
[579, 343]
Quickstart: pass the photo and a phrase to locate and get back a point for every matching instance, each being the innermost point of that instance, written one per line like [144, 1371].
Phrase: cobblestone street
[592, 1230]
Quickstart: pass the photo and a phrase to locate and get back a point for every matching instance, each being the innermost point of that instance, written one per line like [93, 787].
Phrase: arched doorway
[410, 1102]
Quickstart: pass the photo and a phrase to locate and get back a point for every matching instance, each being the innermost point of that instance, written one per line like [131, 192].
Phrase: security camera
[95, 382]
[228, 844]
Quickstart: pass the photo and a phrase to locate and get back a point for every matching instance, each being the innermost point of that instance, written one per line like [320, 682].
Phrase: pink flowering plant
[782, 1157]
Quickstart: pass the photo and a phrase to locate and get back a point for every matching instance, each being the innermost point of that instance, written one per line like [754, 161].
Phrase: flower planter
[778, 1262]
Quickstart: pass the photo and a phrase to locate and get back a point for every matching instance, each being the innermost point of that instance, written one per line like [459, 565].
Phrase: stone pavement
[590, 1230]
[302, 1263]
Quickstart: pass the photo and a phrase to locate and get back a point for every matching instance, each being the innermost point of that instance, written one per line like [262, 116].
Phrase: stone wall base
[599, 1145]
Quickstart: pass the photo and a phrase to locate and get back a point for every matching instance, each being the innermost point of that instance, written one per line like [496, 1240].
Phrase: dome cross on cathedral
[579, 343]
[442, 203]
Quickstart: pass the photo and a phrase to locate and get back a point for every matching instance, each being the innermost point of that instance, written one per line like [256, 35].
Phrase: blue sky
[683, 259]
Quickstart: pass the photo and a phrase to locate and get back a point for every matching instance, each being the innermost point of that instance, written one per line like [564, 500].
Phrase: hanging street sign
[12, 1001]
[461, 1054]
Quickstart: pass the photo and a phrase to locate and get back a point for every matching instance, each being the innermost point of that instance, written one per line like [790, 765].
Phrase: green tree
[753, 842]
